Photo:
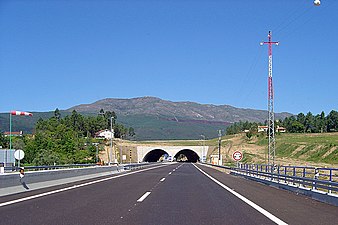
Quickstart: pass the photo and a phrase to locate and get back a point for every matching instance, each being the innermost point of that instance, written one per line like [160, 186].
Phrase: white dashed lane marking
[144, 196]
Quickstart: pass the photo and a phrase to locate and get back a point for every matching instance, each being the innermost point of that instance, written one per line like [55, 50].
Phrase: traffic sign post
[237, 156]
[19, 154]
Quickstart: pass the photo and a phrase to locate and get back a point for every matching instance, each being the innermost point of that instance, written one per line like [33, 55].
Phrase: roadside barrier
[318, 182]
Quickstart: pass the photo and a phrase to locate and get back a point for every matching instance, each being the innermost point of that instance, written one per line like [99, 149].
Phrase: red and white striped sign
[19, 113]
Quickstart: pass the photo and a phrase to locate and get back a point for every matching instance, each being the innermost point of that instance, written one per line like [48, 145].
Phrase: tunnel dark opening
[154, 155]
[190, 156]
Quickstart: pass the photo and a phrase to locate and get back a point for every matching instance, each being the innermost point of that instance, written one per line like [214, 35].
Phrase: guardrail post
[285, 171]
[316, 176]
[330, 191]
[271, 171]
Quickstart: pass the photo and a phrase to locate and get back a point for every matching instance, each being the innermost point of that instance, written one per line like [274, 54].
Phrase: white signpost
[19, 154]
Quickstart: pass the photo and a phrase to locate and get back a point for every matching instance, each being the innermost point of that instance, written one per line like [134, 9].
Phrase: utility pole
[271, 115]
[219, 146]
[111, 141]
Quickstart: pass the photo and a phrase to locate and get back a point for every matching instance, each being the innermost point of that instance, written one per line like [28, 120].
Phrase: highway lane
[99, 203]
[189, 197]
[173, 194]
[290, 207]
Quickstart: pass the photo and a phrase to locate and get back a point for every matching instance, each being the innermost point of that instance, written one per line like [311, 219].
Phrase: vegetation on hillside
[65, 140]
[301, 123]
[317, 148]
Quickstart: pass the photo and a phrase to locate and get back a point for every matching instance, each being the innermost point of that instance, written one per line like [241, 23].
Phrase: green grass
[306, 149]
[285, 150]
[247, 157]
[317, 156]
[332, 157]
[287, 143]
[325, 138]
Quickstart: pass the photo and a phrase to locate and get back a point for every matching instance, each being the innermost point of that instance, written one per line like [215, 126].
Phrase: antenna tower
[271, 116]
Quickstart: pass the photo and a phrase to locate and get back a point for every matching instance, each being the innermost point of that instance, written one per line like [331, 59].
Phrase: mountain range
[154, 118]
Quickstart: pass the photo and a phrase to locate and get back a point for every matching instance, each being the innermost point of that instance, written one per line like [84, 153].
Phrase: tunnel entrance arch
[155, 155]
[187, 155]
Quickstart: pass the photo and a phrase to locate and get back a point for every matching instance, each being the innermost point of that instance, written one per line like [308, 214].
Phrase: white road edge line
[144, 196]
[247, 201]
[73, 187]
[162, 179]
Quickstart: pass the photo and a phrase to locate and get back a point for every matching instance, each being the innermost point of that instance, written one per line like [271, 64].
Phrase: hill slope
[154, 118]
[192, 111]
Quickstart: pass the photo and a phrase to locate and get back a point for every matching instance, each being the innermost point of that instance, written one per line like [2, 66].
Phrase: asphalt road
[169, 194]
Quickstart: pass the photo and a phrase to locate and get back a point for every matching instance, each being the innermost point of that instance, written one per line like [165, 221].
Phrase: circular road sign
[237, 155]
[19, 154]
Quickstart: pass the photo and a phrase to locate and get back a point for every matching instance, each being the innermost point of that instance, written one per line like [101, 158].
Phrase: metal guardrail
[54, 167]
[312, 178]
[133, 166]
[318, 173]
[130, 166]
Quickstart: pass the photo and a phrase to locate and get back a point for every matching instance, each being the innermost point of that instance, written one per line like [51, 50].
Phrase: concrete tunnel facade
[172, 151]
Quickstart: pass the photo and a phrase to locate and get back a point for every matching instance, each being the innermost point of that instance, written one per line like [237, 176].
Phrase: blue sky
[57, 54]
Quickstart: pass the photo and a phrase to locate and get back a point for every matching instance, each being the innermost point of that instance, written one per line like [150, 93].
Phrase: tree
[297, 127]
[3, 140]
[101, 113]
[332, 121]
[47, 157]
[322, 122]
[66, 140]
[110, 117]
[301, 119]
[309, 125]
[18, 143]
[57, 114]
[131, 132]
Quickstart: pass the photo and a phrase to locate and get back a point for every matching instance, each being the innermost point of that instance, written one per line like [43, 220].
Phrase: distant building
[105, 134]
[13, 133]
[281, 129]
[262, 129]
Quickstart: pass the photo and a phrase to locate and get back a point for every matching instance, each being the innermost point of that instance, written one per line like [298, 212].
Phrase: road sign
[237, 155]
[19, 154]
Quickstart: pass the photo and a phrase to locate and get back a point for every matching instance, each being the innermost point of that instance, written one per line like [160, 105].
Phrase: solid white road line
[144, 196]
[73, 187]
[162, 179]
[247, 201]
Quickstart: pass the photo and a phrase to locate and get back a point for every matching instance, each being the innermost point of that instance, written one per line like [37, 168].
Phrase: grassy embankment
[315, 148]
[300, 149]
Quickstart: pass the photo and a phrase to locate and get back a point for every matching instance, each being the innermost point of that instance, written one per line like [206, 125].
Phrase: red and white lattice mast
[271, 116]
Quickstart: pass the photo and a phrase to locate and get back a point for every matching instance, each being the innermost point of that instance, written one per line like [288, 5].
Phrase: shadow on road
[23, 183]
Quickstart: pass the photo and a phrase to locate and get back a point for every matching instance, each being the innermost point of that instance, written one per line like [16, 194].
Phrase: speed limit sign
[237, 155]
